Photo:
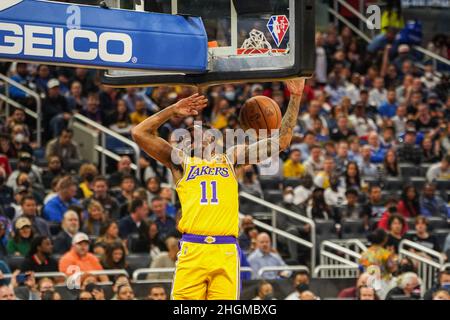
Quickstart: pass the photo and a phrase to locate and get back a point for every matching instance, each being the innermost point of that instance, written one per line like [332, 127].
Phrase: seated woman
[317, 207]
[96, 219]
[390, 164]
[109, 234]
[120, 119]
[20, 244]
[396, 225]
[409, 205]
[115, 257]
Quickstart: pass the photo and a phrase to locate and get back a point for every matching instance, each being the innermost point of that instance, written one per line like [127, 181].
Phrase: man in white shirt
[440, 170]
[378, 94]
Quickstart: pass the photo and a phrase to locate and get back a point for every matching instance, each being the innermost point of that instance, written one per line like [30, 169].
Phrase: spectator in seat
[374, 206]
[125, 292]
[377, 151]
[335, 195]
[115, 257]
[88, 172]
[54, 170]
[264, 256]
[441, 295]
[352, 292]
[367, 168]
[409, 205]
[293, 168]
[303, 192]
[140, 113]
[4, 270]
[342, 131]
[440, 170]
[92, 110]
[157, 292]
[29, 210]
[408, 151]
[153, 187]
[391, 210]
[134, 223]
[110, 205]
[377, 255]
[57, 206]
[265, 291]
[123, 169]
[432, 205]
[314, 164]
[166, 225]
[70, 226]
[396, 225]
[300, 283]
[119, 120]
[317, 207]
[430, 151]
[42, 78]
[245, 236]
[125, 194]
[56, 112]
[378, 94]
[422, 236]
[366, 293]
[109, 234]
[388, 108]
[322, 179]
[408, 286]
[351, 177]
[25, 165]
[39, 257]
[75, 99]
[64, 147]
[85, 295]
[442, 283]
[166, 194]
[95, 220]
[7, 293]
[22, 76]
[390, 164]
[80, 257]
[352, 209]
[165, 259]
[249, 182]
[20, 244]
[6, 193]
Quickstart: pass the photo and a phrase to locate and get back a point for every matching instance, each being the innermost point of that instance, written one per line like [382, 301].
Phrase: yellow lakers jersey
[208, 193]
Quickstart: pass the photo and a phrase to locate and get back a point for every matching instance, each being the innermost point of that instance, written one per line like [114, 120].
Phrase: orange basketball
[260, 112]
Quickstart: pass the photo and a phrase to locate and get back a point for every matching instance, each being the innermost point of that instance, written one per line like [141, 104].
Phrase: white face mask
[19, 138]
[288, 198]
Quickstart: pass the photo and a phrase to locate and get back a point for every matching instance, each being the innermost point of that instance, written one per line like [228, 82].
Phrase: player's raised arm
[146, 135]
[265, 147]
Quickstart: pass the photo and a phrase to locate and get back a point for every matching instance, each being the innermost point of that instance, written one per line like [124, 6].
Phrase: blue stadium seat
[138, 261]
[14, 262]
[441, 235]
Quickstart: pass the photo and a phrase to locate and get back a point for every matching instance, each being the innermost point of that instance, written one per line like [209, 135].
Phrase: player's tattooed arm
[266, 148]
[146, 133]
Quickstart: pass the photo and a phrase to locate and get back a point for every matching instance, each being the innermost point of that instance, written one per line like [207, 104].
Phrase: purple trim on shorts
[204, 239]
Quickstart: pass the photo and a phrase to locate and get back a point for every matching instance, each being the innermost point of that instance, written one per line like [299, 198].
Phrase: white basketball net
[256, 42]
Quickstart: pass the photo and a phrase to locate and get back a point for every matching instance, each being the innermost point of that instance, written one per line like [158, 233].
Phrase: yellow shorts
[207, 272]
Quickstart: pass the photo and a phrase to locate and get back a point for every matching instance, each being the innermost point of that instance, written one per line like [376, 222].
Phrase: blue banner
[54, 32]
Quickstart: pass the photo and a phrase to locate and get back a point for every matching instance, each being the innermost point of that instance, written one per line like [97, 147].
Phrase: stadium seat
[441, 235]
[436, 223]
[55, 228]
[393, 184]
[273, 196]
[352, 229]
[14, 262]
[325, 229]
[408, 170]
[443, 185]
[418, 182]
[138, 261]
[270, 183]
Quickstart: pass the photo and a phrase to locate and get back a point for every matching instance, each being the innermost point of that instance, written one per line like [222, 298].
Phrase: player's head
[202, 140]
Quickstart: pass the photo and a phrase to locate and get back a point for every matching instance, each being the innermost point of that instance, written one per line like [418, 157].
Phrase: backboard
[248, 40]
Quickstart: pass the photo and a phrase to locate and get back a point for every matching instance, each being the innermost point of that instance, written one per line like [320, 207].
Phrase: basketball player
[208, 261]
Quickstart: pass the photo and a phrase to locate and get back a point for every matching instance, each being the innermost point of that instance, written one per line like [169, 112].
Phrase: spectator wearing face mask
[300, 284]
[408, 285]
[265, 291]
[249, 182]
[443, 283]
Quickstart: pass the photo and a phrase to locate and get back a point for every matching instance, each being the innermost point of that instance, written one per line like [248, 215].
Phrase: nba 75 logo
[278, 27]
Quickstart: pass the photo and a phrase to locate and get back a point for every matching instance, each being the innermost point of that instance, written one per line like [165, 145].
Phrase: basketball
[260, 112]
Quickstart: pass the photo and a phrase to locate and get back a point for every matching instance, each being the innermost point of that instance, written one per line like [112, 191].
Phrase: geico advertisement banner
[54, 32]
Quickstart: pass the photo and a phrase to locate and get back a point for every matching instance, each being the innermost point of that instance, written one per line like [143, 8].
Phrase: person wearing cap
[55, 110]
[26, 165]
[409, 151]
[20, 244]
[79, 259]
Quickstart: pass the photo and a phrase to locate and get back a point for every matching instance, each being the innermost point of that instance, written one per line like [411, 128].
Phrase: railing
[337, 261]
[101, 147]
[338, 271]
[275, 231]
[367, 22]
[141, 271]
[36, 115]
[355, 245]
[112, 272]
[428, 266]
[282, 268]
[41, 275]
